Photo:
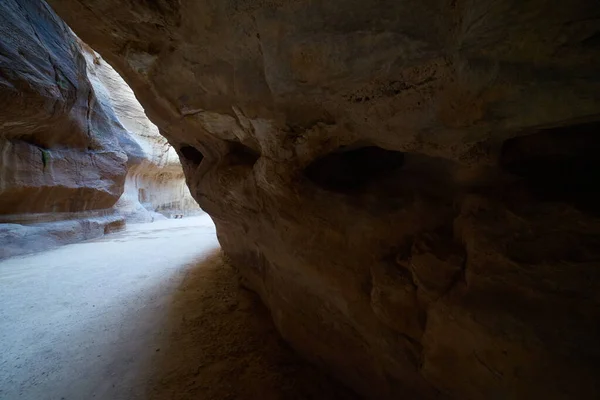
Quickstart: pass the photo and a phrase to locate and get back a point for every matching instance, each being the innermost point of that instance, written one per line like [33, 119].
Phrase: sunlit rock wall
[63, 154]
[155, 182]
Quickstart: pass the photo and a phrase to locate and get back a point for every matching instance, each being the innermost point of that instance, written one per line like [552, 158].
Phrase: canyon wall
[410, 186]
[65, 155]
[156, 183]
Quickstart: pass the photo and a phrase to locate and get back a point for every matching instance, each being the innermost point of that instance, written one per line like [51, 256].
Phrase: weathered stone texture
[155, 181]
[77, 153]
[411, 186]
[60, 148]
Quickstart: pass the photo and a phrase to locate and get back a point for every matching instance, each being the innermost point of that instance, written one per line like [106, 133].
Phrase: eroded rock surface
[63, 153]
[78, 154]
[155, 181]
[409, 185]
[55, 135]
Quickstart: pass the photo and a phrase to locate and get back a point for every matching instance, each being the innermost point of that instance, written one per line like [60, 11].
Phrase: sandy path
[150, 313]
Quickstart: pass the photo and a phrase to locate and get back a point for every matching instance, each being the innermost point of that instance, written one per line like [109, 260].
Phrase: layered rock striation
[65, 155]
[155, 183]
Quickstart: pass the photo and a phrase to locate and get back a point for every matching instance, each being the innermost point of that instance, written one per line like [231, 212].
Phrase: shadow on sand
[220, 344]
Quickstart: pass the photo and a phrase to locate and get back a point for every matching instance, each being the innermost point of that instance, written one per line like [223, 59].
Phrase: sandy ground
[150, 313]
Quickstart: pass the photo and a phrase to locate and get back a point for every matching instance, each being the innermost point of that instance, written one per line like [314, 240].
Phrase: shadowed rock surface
[389, 176]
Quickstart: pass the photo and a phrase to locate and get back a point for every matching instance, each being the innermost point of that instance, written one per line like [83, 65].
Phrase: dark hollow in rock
[351, 169]
[558, 164]
[240, 154]
[191, 155]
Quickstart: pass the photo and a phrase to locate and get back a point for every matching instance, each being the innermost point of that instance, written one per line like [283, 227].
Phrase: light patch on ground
[151, 313]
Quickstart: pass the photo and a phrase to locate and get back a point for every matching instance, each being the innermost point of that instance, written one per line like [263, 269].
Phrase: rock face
[66, 156]
[411, 186]
[63, 154]
[60, 147]
[155, 182]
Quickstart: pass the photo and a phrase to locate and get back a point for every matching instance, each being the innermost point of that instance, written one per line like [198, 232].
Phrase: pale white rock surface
[64, 155]
[78, 156]
[155, 182]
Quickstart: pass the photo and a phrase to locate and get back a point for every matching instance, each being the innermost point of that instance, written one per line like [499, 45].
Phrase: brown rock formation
[409, 185]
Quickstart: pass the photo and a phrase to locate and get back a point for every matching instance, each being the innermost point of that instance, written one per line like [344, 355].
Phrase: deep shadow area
[222, 345]
[349, 169]
[558, 164]
[191, 155]
[240, 154]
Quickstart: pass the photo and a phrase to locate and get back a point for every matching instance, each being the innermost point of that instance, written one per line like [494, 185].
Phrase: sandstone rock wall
[63, 154]
[60, 147]
[70, 168]
[155, 182]
[409, 185]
